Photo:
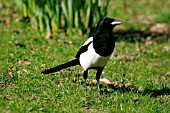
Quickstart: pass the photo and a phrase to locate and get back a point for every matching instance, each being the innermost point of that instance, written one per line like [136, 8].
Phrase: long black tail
[62, 66]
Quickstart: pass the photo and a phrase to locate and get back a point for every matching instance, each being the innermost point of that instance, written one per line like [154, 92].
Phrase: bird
[95, 51]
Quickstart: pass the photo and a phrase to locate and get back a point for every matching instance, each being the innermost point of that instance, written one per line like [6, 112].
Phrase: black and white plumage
[96, 50]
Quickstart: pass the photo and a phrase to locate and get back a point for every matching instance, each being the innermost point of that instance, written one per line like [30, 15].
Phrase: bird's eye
[106, 21]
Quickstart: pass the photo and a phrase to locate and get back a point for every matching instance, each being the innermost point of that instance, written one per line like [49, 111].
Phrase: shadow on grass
[109, 88]
[151, 92]
[137, 35]
[155, 93]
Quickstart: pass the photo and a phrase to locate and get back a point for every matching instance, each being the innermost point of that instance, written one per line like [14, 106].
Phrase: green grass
[164, 16]
[28, 53]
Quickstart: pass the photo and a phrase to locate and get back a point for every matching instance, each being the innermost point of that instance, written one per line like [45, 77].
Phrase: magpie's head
[107, 23]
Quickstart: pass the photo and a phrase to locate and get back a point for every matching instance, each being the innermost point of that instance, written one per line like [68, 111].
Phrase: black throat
[103, 43]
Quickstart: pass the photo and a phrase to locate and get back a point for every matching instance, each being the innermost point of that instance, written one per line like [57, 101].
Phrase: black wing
[82, 50]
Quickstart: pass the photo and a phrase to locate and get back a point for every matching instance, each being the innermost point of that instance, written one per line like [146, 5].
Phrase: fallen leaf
[17, 19]
[24, 62]
[60, 80]
[32, 97]
[105, 81]
[155, 79]
[137, 50]
[42, 65]
[9, 74]
[19, 62]
[68, 42]
[128, 84]
[75, 79]
[167, 74]
[1, 5]
[159, 28]
[113, 55]
[18, 72]
[120, 57]
[94, 82]
[11, 55]
[58, 40]
[7, 98]
[116, 84]
[5, 21]
[141, 89]
[166, 48]
[30, 41]
[26, 71]
[148, 40]
[27, 63]
[48, 35]
[13, 68]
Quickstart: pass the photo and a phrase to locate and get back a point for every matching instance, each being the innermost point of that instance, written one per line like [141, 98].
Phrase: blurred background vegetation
[80, 17]
[74, 16]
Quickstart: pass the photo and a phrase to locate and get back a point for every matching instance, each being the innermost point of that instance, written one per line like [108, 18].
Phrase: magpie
[95, 51]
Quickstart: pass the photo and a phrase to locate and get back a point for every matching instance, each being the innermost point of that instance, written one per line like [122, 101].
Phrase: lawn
[139, 67]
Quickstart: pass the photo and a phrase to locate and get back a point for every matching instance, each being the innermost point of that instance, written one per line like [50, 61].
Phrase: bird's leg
[85, 78]
[99, 72]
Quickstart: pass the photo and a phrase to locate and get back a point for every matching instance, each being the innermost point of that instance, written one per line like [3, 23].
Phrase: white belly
[90, 59]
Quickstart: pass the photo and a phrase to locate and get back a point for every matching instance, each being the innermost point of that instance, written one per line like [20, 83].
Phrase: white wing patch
[88, 41]
[90, 58]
